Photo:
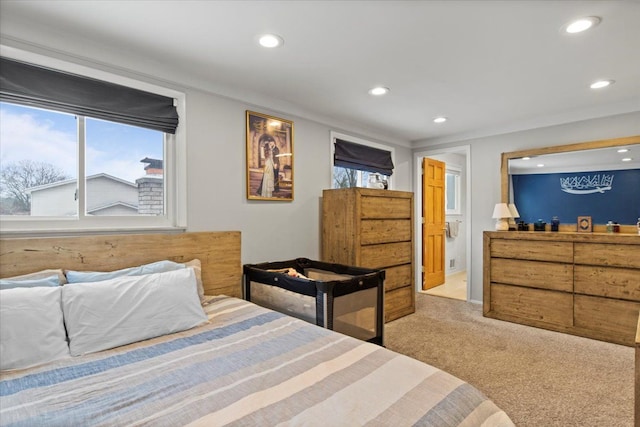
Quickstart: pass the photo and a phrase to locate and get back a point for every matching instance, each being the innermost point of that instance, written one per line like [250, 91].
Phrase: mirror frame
[581, 146]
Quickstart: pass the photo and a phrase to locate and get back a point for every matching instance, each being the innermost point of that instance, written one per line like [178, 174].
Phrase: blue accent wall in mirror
[610, 195]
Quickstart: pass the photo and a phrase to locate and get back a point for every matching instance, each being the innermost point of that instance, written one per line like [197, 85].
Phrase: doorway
[433, 222]
[456, 228]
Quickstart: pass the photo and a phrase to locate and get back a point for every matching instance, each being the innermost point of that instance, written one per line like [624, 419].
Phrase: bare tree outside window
[344, 178]
[17, 177]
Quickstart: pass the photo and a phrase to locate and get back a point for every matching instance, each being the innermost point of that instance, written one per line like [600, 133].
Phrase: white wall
[215, 134]
[270, 230]
[215, 128]
[485, 168]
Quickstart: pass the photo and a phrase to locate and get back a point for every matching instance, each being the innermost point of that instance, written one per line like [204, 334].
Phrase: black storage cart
[338, 297]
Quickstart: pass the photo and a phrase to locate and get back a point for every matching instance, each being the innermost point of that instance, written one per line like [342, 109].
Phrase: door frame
[417, 186]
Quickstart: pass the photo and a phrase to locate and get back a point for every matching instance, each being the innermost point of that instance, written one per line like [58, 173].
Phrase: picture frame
[269, 157]
[584, 224]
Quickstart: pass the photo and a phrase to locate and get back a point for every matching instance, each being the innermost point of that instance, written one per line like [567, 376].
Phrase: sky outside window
[50, 137]
[39, 147]
[28, 133]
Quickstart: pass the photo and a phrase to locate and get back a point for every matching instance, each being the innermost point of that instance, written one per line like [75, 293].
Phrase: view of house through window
[345, 178]
[39, 164]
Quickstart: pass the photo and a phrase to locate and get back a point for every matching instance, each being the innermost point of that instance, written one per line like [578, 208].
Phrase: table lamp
[501, 214]
[514, 214]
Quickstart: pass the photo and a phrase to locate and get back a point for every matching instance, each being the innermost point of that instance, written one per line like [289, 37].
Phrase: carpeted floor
[538, 377]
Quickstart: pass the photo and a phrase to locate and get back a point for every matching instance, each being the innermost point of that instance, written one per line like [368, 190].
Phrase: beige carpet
[540, 378]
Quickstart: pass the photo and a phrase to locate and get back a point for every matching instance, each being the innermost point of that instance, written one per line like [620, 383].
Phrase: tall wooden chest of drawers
[579, 283]
[374, 229]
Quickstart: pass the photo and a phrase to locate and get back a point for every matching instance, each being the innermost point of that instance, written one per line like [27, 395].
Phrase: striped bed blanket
[249, 366]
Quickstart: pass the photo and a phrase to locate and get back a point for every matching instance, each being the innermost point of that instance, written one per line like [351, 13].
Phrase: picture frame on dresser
[269, 157]
[584, 224]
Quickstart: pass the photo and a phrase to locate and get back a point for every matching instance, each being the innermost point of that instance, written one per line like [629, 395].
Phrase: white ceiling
[579, 161]
[490, 66]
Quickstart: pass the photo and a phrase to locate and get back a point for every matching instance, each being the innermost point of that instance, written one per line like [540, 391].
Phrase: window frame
[337, 135]
[175, 165]
[457, 174]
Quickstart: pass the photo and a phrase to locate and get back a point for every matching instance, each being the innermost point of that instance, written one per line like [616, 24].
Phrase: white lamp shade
[514, 211]
[501, 210]
[501, 213]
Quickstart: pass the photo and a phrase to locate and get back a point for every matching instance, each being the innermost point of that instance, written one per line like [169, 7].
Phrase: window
[452, 192]
[64, 170]
[360, 163]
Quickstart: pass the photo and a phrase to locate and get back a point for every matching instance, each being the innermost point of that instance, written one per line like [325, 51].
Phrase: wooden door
[433, 224]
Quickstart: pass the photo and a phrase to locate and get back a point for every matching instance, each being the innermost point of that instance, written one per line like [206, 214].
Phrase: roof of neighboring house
[72, 180]
[152, 163]
[110, 205]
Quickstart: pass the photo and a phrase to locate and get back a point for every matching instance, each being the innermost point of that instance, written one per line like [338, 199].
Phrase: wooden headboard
[218, 251]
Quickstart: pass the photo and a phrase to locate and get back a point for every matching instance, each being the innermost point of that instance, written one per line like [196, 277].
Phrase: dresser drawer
[539, 305]
[615, 255]
[535, 274]
[612, 282]
[615, 320]
[399, 302]
[373, 228]
[586, 284]
[397, 277]
[532, 250]
[374, 231]
[385, 207]
[385, 255]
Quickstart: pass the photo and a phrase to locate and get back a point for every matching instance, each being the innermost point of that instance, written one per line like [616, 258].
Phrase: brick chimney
[151, 188]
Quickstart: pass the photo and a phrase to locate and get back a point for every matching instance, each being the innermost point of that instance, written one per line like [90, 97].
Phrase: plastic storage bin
[338, 297]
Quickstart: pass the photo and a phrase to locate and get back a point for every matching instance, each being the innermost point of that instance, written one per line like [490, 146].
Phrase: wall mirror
[596, 179]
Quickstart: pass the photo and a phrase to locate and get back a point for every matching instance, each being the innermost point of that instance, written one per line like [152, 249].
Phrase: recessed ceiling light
[601, 83]
[582, 24]
[440, 119]
[540, 165]
[379, 90]
[623, 150]
[270, 40]
[627, 159]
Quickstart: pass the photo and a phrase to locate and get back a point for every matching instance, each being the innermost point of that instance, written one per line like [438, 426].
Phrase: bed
[245, 365]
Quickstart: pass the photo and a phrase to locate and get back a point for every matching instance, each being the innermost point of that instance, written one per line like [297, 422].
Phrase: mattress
[248, 366]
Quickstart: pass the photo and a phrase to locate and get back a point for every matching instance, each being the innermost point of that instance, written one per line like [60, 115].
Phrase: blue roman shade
[361, 157]
[32, 85]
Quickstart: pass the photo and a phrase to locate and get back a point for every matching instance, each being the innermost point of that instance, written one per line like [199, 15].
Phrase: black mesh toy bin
[338, 297]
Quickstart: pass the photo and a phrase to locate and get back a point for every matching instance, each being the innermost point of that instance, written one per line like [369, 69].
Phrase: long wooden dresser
[585, 284]
[373, 228]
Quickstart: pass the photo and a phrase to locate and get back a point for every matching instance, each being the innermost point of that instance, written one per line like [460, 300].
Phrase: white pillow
[53, 277]
[31, 327]
[98, 276]
[154, 267]
[43, 282]
[111, 313]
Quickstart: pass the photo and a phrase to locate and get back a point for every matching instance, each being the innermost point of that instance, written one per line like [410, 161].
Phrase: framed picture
[269, 157]
[584, 224]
